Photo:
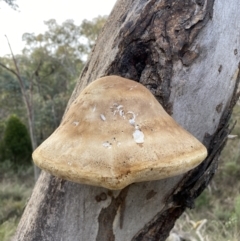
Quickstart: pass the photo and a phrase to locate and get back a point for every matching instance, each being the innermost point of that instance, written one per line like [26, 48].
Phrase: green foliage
[2, 148]
[49, 66]
[237, 206]
[7, 229]
[203, 200]
[17, 142]
[66, 40]
[10, 94]
[237, 211]
[91, 29]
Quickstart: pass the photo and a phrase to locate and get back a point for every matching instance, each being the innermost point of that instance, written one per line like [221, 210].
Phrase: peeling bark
[186, 53]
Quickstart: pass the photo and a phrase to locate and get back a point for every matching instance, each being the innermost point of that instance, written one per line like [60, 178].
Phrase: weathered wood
[187, 53]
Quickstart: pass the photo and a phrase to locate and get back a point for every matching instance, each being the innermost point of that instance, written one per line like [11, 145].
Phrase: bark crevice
[163, 34]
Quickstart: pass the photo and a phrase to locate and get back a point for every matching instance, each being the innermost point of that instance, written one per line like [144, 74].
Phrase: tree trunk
[187, 53]
[30, 116]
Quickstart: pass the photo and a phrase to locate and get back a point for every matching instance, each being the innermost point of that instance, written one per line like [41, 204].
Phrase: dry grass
[15, 189]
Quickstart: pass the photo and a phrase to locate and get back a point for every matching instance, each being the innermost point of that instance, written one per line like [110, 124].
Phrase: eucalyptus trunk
[187, 53]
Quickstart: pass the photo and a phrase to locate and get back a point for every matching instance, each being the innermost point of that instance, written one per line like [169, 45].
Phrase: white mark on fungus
[107, 144]
[138, 136]
[76, 123]
[133, 87]
[121, 113]
[94, 108]
[118, 109]
[103, 117]
[132, 120]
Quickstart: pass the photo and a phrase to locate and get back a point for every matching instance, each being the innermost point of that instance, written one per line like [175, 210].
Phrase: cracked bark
[186, 53]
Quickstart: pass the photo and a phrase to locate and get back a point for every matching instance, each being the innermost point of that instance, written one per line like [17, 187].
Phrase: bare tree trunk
[30, 117]
[28, 102]
[187, 53]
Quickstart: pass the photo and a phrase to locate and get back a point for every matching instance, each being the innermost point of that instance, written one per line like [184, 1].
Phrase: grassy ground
[216, 216]
[15, 189]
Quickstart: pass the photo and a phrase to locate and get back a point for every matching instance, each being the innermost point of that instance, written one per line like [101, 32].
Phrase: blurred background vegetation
[49, 67]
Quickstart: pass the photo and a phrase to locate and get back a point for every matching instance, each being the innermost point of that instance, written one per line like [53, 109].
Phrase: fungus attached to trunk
[116, 133]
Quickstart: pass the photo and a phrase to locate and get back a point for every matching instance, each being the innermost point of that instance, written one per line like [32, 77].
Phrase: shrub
[16, 142]
[2, 151]
[2, 148]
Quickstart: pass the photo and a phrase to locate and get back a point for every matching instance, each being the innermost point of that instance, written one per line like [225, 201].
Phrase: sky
[30, 17]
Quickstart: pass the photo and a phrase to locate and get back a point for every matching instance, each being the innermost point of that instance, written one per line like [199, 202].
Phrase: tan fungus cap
[116, 133]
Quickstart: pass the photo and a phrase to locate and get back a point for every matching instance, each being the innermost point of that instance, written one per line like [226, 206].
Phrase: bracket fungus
[116, 133]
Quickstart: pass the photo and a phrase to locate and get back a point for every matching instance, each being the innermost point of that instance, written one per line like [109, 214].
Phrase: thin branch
[31, 82]
[50, 73]
[15, 62]
[18, 73]
[36, 70]
[10, 70]
[23, 90]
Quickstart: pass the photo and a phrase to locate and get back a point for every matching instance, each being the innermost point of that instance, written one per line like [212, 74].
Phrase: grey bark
[187, 53]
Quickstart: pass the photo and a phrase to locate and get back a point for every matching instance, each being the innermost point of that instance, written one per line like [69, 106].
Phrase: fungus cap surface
[116, 133]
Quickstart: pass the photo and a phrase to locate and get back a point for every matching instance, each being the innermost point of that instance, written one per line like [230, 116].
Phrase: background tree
[27, 97]
[176, 49]
[10, 93]
[16, 141]
[90, 30]
[43, 76]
